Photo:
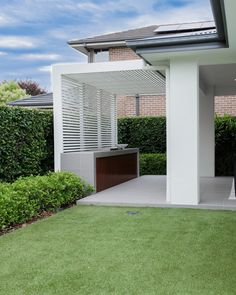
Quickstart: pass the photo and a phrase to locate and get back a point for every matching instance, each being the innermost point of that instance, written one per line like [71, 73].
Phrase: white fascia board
[77, 68]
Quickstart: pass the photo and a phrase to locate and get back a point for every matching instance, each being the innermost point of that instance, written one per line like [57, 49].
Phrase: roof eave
[185, 43]
[179, 48]
[85, 47]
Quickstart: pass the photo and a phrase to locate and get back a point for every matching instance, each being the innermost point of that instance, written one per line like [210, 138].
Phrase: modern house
[113, 47]
[189, 64]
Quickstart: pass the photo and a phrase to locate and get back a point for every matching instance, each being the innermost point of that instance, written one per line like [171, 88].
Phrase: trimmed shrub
[29, 196]
[26, 142]
[147, 133]
[225, 145]
[152, 164]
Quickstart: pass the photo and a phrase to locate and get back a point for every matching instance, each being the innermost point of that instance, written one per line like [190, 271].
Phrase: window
[101, 55]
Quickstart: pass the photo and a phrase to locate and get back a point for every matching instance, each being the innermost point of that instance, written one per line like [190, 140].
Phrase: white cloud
[3, 53]
[5, 20]
[89, 6]
[188, 13]
[40, 56]
[17, 42]
[45, 69]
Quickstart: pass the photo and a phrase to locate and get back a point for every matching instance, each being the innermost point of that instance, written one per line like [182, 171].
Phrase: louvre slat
[88, 112]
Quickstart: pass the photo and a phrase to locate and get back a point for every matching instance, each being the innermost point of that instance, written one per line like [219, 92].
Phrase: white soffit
[120, 80]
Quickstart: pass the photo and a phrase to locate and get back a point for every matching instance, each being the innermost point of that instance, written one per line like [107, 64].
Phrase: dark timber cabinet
[114, 170]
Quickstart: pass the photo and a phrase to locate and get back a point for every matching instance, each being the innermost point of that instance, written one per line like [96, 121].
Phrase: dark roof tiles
[119, 36]
[41, 100]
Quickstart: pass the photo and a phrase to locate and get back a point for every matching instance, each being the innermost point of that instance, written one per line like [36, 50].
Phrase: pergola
[85, 112]
[85, 116]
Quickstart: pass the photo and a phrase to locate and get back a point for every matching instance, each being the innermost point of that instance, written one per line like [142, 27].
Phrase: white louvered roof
[122, 81]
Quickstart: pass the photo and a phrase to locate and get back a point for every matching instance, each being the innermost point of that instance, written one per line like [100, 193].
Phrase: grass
[105, 250]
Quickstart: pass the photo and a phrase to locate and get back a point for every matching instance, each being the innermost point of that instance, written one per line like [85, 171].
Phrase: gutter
[173, 40]
[218, 9]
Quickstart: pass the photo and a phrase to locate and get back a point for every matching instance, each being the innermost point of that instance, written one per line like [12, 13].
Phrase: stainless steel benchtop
[100, 153]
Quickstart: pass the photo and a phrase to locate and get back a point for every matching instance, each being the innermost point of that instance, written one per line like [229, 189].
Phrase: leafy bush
[10, 91]
[152, 164]
[31, 88]
[147, 133]
[26, 142]
[225, 145]
[29, 196]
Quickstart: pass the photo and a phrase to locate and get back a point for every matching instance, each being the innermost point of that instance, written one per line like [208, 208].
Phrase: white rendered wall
[207, 134]
[183, 132]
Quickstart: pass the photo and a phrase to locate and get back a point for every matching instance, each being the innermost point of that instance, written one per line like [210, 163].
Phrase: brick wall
[225, 105]
[155, 105]
[122, 53]
[150, 105]
[126, 106]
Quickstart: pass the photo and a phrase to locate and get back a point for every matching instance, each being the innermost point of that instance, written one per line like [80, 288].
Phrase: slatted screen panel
[89, 117]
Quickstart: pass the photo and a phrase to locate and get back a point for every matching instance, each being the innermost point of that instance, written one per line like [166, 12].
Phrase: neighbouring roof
[37, 101]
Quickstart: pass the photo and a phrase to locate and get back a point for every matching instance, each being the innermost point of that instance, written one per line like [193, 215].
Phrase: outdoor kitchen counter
[103, 168]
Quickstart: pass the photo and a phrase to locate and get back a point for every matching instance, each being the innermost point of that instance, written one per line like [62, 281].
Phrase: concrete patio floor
[150, 191]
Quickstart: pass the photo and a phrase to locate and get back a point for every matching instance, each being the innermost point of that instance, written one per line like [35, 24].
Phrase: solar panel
[185, 27]
[206, 25]
[166, 28]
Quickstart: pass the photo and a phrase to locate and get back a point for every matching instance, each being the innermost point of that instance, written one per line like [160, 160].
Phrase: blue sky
[33, 33]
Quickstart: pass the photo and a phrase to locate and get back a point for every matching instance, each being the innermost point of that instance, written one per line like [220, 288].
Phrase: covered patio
[86, 129]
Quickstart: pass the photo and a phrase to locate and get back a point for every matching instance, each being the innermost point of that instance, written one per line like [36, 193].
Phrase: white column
[183, 132]
[57, 114]
[207, 133]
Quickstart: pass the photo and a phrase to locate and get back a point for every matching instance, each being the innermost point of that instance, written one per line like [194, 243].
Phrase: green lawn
[104, 250]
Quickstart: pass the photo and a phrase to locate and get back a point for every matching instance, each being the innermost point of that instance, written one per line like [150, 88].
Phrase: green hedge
[29, 196]
[225, 145]
[149, 134]
[152, 164]
[26, 142]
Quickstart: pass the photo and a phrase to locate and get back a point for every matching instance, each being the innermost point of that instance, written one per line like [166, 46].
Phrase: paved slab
[150, 191]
